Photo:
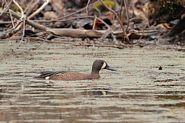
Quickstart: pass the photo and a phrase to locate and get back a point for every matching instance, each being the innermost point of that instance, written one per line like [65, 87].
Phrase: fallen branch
[75, 33]
[78, 33]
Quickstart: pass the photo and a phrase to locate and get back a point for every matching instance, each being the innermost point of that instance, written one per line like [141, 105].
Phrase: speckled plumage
[67, 76]
[72, 75]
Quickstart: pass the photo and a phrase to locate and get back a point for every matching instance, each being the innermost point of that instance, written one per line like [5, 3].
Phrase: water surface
[138, 92]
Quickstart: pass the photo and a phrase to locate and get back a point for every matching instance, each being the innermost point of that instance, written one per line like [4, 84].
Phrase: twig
[23, 28]
[69, 15]
[72, 18]
[78, 11]
[30, 22]
[94, 22]
[109, 30]
[39, 9]
[10, 32]
[6, 8]
[87, 6]
[12, 22]
[23, 19]
[32, 6]
[127, 15]
[108, 27]
[121, 10]
[22, 12]
[122, 27]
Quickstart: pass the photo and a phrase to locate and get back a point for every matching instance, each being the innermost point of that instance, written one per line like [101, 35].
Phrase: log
[80, 33]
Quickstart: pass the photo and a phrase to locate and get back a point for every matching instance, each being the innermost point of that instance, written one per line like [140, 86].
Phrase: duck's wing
[45, 74]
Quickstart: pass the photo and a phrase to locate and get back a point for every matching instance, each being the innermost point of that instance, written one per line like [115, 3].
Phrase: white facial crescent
[104, 65]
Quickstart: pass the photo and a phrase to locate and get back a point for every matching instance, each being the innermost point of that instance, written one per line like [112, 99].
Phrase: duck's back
[69, 76]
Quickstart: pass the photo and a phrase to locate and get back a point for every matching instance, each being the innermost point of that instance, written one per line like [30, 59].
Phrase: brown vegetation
[121, 20]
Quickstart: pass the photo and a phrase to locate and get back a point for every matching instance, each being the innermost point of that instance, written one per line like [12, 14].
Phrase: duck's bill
[109, 68]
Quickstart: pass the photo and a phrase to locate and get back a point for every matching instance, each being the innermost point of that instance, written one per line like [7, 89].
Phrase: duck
[73, 75]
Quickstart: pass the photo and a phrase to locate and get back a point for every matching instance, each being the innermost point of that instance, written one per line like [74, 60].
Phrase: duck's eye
[104, 65]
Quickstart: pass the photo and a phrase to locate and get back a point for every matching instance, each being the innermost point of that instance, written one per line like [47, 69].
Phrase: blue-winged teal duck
[71, 76]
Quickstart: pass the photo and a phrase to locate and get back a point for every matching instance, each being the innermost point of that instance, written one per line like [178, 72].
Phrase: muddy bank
[137, 92]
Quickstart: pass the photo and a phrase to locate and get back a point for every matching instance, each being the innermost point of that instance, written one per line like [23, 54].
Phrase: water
[136, 93]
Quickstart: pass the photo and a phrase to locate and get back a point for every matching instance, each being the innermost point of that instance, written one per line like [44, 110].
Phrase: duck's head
[100, 64]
